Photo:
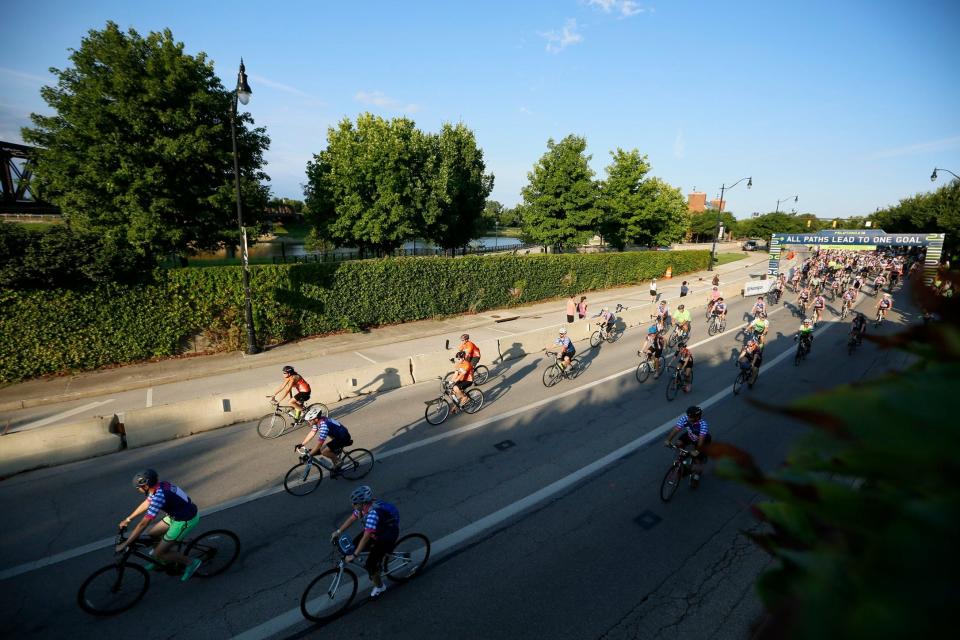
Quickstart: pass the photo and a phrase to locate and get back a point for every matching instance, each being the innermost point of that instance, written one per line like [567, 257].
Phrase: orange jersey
[470, 350]
[465, 371]
[301, 385]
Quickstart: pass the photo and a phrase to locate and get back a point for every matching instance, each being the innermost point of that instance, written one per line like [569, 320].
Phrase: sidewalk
[543, 314]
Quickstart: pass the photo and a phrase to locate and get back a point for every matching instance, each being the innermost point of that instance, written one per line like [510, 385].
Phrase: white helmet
[313, 413]
[563, 331]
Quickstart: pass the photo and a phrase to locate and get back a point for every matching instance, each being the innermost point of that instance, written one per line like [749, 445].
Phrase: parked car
[754, 245]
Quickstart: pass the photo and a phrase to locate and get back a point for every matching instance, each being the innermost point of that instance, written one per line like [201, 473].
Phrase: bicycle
[748, 376]
[717, 324]
[330, 593]
[879, 319]
[853, 341]
[844, 310]
[801, 309]
[682, 466]
[480, 374]
[678, 380]
[803, 348]
[645, 368]
[305, 477]
[119, 586]
[775, 295]
[555, 372]
[282, 421]
[439, 409]
[677, 336]
[601, 335]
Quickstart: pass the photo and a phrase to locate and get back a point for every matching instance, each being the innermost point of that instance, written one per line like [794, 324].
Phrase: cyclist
[293, 381]
[661, 314]
[182, 516]
[682, 320]
[607, 318]
[858, 283]
[759, 308]
[818, 304]
[567, 350]
[778, 288]
[471, 350]
[750, 358]
[884, 305]
[323, 426]
[381, 528]
[714, 295]
[462, 378]
[760, 326]
[858, 327]
[878, 283]
[693, 431]
[815, 283]
[654, 347]
[802, 299]
[848, 298]
[805, 333]
[720, 308]
[685, 365]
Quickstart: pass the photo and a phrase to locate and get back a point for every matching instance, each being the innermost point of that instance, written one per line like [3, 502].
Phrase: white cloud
[625, 8]
[379, 99]
[557, 41]
[679, 145]
[914, 149]
[25, 76]
[278, 85]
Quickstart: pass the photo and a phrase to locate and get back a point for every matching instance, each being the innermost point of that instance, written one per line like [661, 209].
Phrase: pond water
[291, 249]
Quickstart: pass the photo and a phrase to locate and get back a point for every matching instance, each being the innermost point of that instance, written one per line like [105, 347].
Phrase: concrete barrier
[60, 444]
[431, 366]
[580, 330]
[169, 421]
[521, 344]
[637, 316]
[382, 376]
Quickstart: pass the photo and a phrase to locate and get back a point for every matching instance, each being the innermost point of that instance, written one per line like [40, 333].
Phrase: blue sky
[849, 104]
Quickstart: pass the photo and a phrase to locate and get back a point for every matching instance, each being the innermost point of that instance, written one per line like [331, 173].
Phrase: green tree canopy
[936, 212]
[703, 225]
[769, 223]
[559, 203]
[139, 144]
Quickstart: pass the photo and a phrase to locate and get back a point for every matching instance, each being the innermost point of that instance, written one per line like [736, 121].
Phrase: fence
[341, 255]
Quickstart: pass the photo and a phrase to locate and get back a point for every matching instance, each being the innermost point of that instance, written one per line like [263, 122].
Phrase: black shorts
[302, 396]
[657, 352]
[686, 441]
[569, 318]
[474, 361]
[338, 444]
[463, 385]
[378, 548]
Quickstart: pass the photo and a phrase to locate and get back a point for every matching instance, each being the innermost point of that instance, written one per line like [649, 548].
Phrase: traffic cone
[669, 273]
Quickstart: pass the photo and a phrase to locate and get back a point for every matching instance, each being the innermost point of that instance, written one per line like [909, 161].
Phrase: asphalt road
[543, 509]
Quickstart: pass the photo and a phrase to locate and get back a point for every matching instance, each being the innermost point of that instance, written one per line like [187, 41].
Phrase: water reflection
[279, 249]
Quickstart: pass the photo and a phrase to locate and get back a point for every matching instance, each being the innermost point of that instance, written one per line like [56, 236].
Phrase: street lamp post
[716, 232]
[496, 234]
[933, 176]
[795, 198]
[242, 94]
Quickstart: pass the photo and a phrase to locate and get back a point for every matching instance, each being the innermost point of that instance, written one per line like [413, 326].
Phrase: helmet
[465, 336]
[694, 412]
[715, 288]
[361, 495]
[886, 295]
[605, 309]
[461, 354]
[146, 478]
[288, 370]
[652, 330]
[563, 331]
[313, 413]
[806, 321]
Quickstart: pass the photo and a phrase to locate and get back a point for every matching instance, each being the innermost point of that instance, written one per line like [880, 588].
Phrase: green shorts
[180, 528]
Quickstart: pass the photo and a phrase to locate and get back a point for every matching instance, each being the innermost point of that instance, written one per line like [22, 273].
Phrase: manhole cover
[648, 520]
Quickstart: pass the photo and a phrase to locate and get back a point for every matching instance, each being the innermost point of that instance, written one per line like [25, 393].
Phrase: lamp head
[243, 89]
[933, 176]
[796, 198]
[749, 182]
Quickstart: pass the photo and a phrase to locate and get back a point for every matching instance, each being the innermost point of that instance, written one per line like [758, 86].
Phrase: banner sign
[757, 288]
[862, 239]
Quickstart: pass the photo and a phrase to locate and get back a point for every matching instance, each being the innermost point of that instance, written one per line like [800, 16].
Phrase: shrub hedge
[59, 330]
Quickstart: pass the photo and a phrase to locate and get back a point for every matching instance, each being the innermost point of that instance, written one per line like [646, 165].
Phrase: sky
[847, 104]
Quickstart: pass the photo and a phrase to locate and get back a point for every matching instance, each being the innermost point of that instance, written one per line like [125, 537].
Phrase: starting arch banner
[860, 239]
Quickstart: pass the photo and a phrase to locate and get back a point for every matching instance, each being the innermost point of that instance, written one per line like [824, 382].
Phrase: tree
[774, 222]
[492, 215]
[936, 212]
[664, 217]
[458, 188]
[140, 145]
[703, 225]
[560, 200]
[370, 186]
[622, 199]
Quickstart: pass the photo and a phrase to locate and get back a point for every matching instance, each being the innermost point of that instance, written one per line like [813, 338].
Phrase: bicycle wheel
[738, 382]
[217, 549]
[480, 375]
[671, 482]
[356, 464]
[113, 589]
[672, 342]
[851, 346]
[303, 478]
[272, 425]
[476, 401]
[551, 376]
[407, 558]
[723, 325]
[673, 386]
[576, 367]
[643, 371]
[799, 356]
[448, 379]
[328, 595]
[595, 339]
[614, 335]
[437, 411]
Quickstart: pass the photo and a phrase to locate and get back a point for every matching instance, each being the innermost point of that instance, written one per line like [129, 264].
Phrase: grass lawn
[291, 230]
[724, 258]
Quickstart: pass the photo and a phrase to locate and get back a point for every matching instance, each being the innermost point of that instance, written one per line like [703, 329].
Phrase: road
[543, 508]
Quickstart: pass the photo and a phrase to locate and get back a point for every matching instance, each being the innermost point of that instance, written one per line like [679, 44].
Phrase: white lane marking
[452, 540]
[365, 357]
[149, 397]
[61, 416]
[263, 493]
[508, 333]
